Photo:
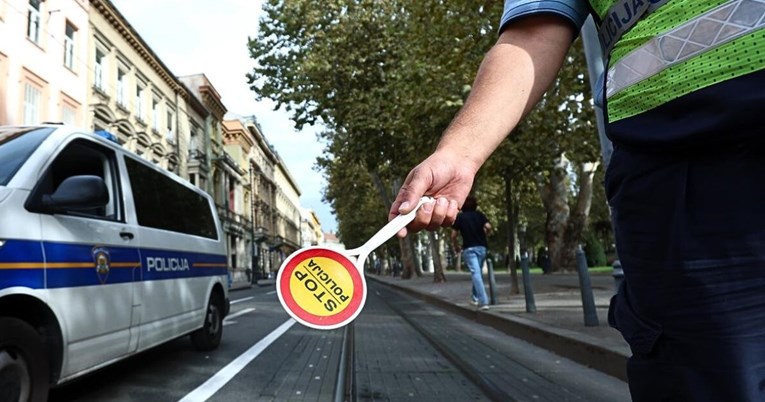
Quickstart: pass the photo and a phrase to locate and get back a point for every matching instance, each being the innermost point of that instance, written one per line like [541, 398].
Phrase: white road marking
[222, 377]
[241, 300]
[271, 292]
[228, 321]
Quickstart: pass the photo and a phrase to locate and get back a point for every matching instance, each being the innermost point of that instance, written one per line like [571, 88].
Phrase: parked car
[102, 255]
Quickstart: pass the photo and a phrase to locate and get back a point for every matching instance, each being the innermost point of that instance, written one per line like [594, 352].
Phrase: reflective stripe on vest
[622, 16]
[707, 31]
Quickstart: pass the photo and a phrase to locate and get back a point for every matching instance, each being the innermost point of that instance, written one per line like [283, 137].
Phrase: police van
[102, 255]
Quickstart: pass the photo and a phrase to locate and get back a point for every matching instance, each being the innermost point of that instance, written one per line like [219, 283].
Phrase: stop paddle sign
[324, 288]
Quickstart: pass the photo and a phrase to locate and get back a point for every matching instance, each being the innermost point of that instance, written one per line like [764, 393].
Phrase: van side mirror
[77, 193]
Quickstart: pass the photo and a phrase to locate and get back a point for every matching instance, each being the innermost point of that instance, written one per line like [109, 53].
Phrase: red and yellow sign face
[321, 288]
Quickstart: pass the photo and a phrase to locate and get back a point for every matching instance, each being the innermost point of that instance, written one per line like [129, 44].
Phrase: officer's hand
[443, 176]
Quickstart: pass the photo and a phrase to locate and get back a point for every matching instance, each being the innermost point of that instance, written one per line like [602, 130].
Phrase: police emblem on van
[101, 258]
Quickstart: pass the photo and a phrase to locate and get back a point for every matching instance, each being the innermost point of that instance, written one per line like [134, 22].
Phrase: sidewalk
[557, 325]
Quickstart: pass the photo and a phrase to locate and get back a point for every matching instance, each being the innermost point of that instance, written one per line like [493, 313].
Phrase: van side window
[163, 203]
[82, 157]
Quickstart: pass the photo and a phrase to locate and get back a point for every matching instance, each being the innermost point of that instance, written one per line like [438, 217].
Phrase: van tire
[208, 337]
[23, 366]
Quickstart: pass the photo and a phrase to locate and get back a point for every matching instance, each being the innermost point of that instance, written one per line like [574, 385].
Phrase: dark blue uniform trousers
[690, 233]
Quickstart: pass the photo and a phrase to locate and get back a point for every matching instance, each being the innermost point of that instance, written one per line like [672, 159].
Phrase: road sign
[321, 288]
[324, 288]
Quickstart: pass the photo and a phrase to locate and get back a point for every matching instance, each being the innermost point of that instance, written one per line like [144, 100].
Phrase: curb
[560, 341]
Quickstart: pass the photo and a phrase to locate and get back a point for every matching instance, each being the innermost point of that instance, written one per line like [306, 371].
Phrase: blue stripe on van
[72, 265]
[14, 252]
[21, 251]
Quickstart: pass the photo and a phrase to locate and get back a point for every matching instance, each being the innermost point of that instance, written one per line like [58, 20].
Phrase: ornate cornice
[131, 36]
[211, 99]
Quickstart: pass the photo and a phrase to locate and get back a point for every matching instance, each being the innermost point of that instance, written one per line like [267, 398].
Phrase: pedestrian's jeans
[474, 258]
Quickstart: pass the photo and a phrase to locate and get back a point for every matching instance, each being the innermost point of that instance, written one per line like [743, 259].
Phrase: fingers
[409, 195]
[433, 215]
[440, 176]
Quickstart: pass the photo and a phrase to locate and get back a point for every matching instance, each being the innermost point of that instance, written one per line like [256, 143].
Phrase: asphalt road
[404, 350]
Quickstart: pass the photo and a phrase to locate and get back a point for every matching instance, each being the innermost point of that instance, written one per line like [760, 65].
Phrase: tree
[386, 78]
[381, 75]
[567, 113]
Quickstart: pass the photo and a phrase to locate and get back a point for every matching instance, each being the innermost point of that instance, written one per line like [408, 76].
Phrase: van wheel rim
[212, 318]
[15, 382]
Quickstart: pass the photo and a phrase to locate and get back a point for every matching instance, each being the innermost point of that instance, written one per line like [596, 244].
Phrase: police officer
[683, 95]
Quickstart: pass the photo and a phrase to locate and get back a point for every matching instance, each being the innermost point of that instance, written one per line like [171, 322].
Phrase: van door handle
[127, 235]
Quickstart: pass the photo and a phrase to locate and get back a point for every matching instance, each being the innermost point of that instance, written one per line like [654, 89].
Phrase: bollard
[531, 306]
[588, 300]
[618, 275]
[492, 282]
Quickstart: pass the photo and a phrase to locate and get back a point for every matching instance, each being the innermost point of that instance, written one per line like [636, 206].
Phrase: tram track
[346, 389]
[402, 348]
[346, 372]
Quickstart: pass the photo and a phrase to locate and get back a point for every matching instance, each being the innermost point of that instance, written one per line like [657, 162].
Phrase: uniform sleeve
[575, 11]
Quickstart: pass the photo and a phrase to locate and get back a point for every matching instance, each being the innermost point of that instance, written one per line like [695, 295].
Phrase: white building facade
[43, 61]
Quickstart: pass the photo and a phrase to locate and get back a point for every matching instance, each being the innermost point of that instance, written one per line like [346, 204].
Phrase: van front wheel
[208, 337]
[23, 368]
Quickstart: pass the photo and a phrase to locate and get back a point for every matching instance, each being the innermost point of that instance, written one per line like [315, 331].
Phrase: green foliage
[385, 77]
[593, 250]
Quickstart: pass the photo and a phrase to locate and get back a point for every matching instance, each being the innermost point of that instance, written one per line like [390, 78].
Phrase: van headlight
[2, 243]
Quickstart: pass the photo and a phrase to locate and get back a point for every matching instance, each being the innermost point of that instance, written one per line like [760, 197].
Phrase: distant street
[403, 349]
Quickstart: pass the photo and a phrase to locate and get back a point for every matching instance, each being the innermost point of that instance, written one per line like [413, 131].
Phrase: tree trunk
[512, 230]
[406, 259]
[577, 222]
[565, 229]
[406, 256]
[438, 259]
[410, 239]
[555, 200]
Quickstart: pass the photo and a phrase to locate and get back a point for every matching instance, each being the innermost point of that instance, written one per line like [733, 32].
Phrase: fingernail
[452, 204]
[427, 207]
[404, 206]
[442, 202]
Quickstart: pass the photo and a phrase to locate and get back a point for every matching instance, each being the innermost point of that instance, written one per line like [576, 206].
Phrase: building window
[3, 79]
[69, 33]
[231, 195]
[68, 115]
[170, 135]
[193, 178]
[193, 140]
[139, 90]
[32, 98]
[69, 110]
[99, 70]
[232, 247]
[155, 114]
[33, 21]
[122, 87]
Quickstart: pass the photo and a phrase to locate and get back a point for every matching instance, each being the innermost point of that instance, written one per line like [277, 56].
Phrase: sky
[210, 37]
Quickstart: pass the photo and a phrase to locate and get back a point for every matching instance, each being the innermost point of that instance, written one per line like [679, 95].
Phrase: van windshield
[16, 144]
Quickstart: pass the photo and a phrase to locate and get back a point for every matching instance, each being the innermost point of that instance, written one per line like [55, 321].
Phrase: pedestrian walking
[473, 226]
[682, 96]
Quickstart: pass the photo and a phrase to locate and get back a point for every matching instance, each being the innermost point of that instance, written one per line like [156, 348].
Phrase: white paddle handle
[388, 231]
